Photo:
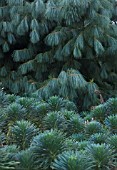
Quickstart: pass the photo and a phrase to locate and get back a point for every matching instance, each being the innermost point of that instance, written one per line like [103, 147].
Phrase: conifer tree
[64, 47]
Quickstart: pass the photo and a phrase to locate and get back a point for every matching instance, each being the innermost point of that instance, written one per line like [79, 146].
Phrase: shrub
[82, 145]
[71, 144]
[26, 102]
[70, 106]
[58, 104]
[15, 112]
[54, 120]
[68, 114]
[111, 106]
[73, 141]
[111, 123]
[22, 133]
[71, 160]
[75, 125]
[5, 162]
[98, 138]
[38, 111]
[46, 146]
[11, 98]
[25, 159]
[78, 137]
[102, 156]
[93, 127]
[106, 109]
[112, 140]
[99, 113]
[11, 150]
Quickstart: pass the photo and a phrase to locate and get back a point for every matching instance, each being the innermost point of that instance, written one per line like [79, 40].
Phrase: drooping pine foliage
[65, 48]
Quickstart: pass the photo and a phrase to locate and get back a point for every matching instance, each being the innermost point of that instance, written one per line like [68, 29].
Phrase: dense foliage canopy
[58, 85]
[65, 47]
[52, 134]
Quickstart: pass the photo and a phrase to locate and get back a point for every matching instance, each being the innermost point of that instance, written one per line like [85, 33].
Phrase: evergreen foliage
[66, 48]
[93, 127]
[55, 120]
[111, 122]
[75, 125]
[22, 133]
[72, 161]
[46, 147]
[51, 135]
[26, 160]
[102, 156]
[58, 84]
[5, 162]
[98, 138]
[113, 142]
